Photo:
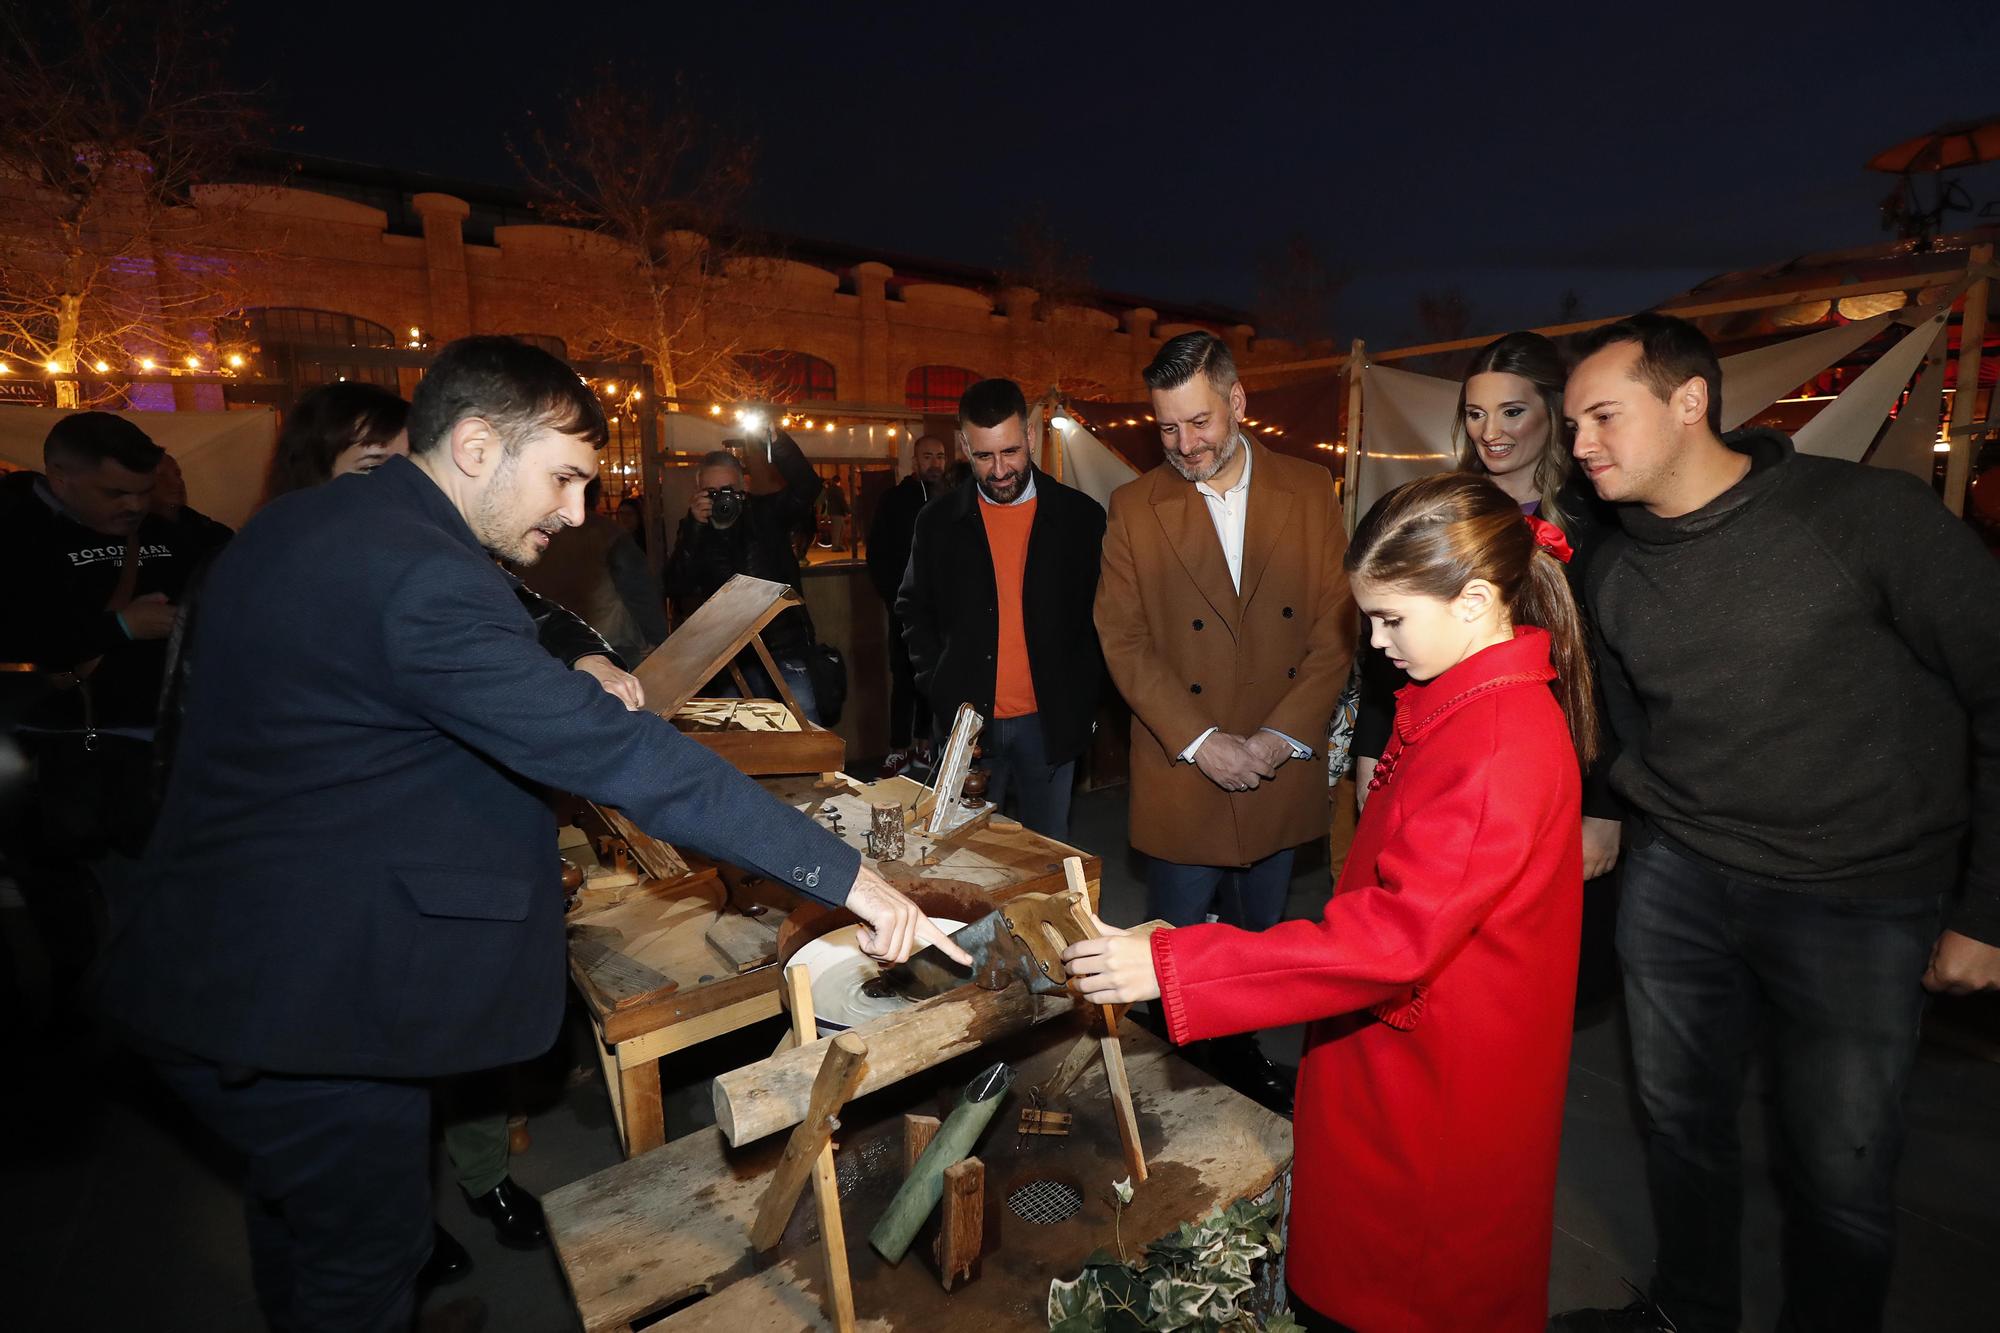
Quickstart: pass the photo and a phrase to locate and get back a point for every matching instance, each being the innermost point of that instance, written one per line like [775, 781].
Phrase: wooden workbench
[654, 1231]
[653, 986]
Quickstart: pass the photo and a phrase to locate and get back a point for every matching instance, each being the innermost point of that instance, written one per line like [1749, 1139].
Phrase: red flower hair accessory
[1549, 537]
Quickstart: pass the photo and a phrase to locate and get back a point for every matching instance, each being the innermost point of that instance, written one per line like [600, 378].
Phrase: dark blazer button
[1197, 624]
[1288, 613]
[1194, 689]
[1291, 672]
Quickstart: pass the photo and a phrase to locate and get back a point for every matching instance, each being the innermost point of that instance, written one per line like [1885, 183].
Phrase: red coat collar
[1523, 661]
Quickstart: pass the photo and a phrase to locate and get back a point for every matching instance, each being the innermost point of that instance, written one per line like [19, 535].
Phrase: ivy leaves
[1191, 1279]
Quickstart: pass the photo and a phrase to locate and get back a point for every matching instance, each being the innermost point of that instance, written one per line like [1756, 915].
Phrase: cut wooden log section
[918, 1131]
[775, 1094]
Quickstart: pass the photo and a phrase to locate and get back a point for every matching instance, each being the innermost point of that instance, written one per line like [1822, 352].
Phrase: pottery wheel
[840, 973]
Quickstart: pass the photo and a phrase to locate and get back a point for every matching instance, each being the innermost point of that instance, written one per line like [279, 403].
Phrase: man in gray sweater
[1801, 663]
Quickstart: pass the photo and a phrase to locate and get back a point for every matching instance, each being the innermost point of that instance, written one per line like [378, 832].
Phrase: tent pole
[1965, 401]
[1356, 354]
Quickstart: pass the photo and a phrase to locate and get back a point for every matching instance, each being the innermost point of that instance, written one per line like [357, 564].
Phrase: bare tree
[666, 184]
[1296, 290]
[1060, 340]
[112, 113]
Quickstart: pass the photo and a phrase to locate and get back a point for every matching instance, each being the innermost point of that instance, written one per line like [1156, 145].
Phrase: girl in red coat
[1439, 980]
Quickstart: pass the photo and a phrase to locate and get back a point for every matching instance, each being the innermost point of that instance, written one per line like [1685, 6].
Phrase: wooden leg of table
[635, 1101]
[644, 1127]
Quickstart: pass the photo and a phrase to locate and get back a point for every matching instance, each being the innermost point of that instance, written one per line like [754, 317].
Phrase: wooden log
[773, 1094]
[962, 1231]
[924, 1186]
[845, 1061]
[918, 1131]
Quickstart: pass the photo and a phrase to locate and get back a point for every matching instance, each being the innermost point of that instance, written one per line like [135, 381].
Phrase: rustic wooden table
[653, 985]
[658, 1230]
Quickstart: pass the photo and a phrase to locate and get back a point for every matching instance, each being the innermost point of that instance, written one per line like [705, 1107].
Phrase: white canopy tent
[223, 455]
[1406, 419]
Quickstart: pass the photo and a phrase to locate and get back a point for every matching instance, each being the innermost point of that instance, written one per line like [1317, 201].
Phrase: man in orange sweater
[996, 608]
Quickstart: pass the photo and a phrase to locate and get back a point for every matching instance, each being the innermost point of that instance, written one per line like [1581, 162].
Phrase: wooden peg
[962, 1230]
[918, 1131]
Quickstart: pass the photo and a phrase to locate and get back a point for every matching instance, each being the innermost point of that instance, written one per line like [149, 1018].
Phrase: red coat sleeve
[1467, 818]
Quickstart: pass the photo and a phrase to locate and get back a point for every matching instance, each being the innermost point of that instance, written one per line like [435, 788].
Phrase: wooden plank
[652, 1045]
[760, 753]
[1080, 1058]
[839, 1298]
[743, 942]
[656, 858]
[707, 641]
[962, 1225]
[611, 979]
[845, 1060]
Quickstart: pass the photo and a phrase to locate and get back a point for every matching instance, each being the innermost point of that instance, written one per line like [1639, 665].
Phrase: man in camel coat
[1227, 624]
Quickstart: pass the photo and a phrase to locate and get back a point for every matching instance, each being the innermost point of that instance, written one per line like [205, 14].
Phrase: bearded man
[353, 888]
[1227, 624]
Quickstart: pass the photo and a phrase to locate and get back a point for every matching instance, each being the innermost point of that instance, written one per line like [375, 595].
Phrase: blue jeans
[1017, 762]
[1835, 984]
[338, 1192]
[1252, 896]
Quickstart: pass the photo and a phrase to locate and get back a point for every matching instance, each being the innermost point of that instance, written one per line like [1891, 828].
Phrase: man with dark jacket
[728, 531]
[996, 606]
[1798, 660]
[352, 890]
[93, 576]
[889, 538]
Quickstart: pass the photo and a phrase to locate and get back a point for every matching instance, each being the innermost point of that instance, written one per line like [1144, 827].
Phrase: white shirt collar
[1242, 482]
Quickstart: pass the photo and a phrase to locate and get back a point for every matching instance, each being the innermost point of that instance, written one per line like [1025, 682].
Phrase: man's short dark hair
[1671, 352]
[85, 439]
[719, 458]
[990, 402]
[937, 440]
[516, 387]
[1186, 355]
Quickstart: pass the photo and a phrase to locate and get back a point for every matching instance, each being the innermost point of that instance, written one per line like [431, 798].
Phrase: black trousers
[337, 1195]
[907, 706]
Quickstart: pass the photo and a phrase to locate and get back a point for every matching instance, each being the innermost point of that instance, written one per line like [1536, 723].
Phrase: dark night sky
[1621, 151]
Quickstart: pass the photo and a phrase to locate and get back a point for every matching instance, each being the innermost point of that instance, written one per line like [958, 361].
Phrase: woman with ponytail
[1509, 429]
[1439, 980]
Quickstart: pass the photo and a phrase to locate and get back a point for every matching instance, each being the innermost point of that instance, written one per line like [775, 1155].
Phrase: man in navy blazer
[353, 885]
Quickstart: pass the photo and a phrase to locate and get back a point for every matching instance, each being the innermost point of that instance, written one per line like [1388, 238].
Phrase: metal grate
[1045, 1202]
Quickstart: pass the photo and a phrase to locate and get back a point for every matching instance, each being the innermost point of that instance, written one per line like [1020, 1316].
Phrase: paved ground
[117, 1215]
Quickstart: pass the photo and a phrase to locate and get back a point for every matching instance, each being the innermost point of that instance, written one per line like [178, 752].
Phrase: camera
[725, 505]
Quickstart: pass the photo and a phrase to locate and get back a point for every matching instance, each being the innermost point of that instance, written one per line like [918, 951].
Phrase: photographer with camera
[729, 531]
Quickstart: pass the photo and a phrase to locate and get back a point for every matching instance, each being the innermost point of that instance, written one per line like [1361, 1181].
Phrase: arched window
[937, 388]
[790, 377]
[291, 340]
